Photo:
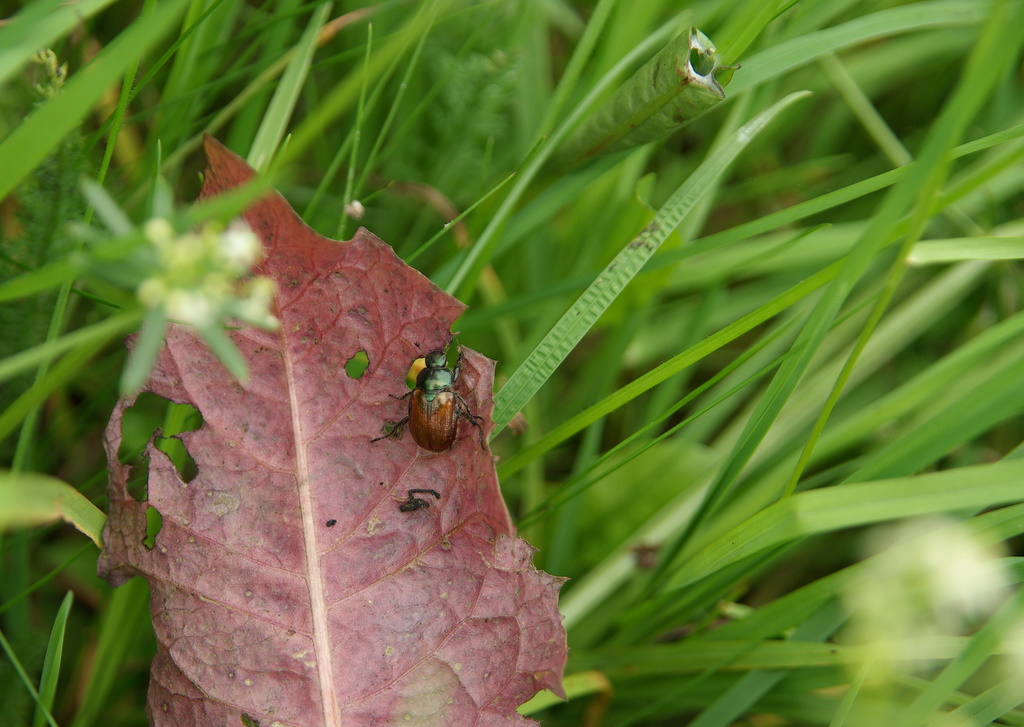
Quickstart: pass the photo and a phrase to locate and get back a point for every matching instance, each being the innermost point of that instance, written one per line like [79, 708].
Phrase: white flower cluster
[199, 278]
[930, 578]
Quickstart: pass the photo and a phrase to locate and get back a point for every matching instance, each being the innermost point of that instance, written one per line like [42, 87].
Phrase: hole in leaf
[154, 523]
[147, 416]
[356, 365]
[179, 456]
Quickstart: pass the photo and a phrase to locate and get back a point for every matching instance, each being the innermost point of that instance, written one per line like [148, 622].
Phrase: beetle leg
[463, 411]
[392, 430]
[457, 367]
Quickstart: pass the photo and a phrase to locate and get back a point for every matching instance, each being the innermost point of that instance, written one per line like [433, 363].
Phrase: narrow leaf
[564, 336]
[835, 508]
[275, 120]
[681, 82]
[28, 499]
[51, 662]
[967, 248]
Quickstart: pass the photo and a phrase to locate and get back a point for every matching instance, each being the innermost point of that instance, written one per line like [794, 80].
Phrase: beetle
[434, 407]
[417, 503]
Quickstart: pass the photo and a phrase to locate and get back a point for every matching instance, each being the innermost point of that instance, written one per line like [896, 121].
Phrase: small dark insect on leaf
[331, 523]
[416, 503]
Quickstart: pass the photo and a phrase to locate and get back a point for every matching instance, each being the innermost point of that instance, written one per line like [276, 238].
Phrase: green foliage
[820, 333]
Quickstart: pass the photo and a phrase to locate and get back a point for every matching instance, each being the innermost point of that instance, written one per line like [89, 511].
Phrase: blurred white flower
[199, 275]
[158, 231]
[239, 246]
[191, 306]
[926, 579]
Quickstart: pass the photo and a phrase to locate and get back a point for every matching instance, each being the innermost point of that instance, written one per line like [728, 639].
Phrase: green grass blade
[997, 396]
[790, 55]
[984, 66]
[125, 620]
[41, 279]
[29, 143]
[731, 706]
[51, 663]
[37, 25]
[931, 252]
[477, 257]
[105, 330]
[23, 675]
[989, 706]
[668, 369]
[49, 382]
[914, 194]
[582, 315]
[835, 508]
[286, 95]
[980, 647]
[345, 94]
[28, 499]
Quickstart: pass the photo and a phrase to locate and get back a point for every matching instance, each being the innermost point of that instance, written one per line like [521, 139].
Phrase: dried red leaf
[263, 610]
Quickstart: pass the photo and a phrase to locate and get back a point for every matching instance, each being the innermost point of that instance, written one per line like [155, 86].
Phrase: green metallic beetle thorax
[435, 378]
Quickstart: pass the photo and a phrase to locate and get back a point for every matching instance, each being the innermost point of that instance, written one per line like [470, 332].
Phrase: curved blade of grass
[835, 508]
[28, 499]
[668, 369]
[730, 706]
[659, 98]
[987, 707]
[276, 118]
[576, 685]
[582, 315]
[125, 620]
[478, 256]
[5, 645]
[966, 248]
[787, 56]
[347, 92]
[980, 647]
[72, 363]
[51, 662]
[29, 143]
[916, 194]
[19, 362]
[999, 395]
